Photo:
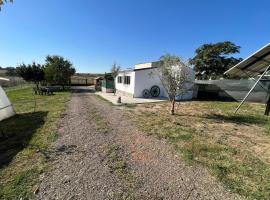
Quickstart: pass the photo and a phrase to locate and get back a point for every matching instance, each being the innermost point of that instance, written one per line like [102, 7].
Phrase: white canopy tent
[255, 66]
[6, 108]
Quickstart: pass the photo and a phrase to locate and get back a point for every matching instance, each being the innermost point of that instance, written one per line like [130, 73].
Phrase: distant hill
[3, 71]
[88, 74]
[8, 71]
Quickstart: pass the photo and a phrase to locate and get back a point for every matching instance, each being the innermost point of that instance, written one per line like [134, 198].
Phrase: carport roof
[252, 66]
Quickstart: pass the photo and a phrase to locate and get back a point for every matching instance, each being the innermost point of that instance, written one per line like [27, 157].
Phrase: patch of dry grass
[235, 148]
[116, 161]
[101, 124]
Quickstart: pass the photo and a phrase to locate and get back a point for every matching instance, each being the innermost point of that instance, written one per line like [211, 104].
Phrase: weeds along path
[101, 155]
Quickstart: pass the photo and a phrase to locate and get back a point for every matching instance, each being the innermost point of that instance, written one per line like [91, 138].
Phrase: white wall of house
[143, 78]
[190, 86]
[128, 88]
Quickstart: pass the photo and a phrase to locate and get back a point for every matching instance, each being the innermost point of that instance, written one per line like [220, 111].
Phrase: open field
[235, 148]
[13, 82]
[25, 140]
[84, 78]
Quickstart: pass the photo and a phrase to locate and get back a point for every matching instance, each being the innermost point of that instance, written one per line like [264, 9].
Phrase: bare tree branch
[114, 71]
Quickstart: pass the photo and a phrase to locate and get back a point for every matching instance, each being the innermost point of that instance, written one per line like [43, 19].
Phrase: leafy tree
[58, 70]
[31, 73]
[212, 60]
[114, 72]
[173, 73]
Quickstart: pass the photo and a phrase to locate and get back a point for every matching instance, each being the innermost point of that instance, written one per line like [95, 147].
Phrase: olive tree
[174, 75]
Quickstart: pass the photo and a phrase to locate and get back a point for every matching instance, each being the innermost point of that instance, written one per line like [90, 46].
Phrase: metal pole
[252, 78]
[267, 109]
[252, 89]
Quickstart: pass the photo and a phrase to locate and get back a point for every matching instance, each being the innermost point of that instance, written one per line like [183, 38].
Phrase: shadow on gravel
[82, 90]
[63, 149]
[16, 132]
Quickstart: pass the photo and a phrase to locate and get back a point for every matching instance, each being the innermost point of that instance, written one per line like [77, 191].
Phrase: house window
[127, 80]
[119, 79]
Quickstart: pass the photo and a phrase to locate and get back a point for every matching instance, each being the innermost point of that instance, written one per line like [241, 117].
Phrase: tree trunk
[173, 104]
[267, 109]
[114, 89]
[37, 84]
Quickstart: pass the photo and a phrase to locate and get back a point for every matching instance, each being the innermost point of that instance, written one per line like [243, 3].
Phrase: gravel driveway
[101, 155]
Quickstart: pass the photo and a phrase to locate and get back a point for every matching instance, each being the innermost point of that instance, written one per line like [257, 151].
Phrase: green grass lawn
[25, 137]
[234, 147]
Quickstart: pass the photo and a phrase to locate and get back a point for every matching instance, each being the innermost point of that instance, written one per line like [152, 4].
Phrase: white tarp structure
[6, 108]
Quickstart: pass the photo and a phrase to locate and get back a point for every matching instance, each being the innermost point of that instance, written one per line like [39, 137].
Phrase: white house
[136, 82]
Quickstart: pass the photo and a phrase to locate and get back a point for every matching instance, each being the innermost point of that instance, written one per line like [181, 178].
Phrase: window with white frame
[127, 80]
[119, 79]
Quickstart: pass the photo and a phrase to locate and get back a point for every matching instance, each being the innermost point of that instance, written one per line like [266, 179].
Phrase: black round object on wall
[146, 93]
[155, 91]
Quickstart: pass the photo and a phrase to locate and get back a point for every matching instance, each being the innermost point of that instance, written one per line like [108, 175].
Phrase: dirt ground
[100, 154]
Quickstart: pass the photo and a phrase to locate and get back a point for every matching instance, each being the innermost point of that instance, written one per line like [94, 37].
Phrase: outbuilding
[144, 77]
[98, 83]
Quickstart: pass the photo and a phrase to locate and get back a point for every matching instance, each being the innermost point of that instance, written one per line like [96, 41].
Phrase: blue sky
[95, 33]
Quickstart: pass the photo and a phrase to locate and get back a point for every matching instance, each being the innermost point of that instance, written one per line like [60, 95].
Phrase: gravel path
[102, 155]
